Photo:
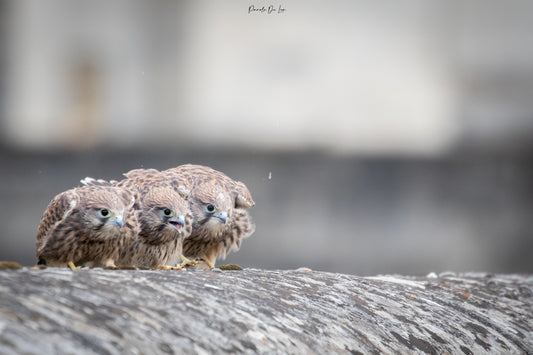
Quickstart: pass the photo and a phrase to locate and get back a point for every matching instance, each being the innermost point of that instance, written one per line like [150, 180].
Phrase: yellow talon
[211, 266]
[185, 262]
[168, 267]
[72, 266]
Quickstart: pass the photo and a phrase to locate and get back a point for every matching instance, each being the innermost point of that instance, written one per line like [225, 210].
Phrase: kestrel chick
[83, 226]
[218, 205]
[164, 221]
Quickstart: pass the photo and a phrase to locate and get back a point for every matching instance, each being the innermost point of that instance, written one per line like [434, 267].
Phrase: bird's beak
[222, 216]
[177, 222]
[118, 221]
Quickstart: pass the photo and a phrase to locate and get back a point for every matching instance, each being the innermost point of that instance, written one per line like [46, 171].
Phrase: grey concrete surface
[262, 311]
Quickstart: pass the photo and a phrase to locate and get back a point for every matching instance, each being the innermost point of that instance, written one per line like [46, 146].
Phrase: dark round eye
[104, 212]
[210, 208]
[167, 212]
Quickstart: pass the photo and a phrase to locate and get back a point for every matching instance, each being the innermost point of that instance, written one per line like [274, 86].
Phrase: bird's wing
[243, 197]
[140, 173]
[57, 211]
[89, 181]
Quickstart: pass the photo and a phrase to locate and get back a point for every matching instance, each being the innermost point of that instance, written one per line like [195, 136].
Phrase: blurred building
[377, 137]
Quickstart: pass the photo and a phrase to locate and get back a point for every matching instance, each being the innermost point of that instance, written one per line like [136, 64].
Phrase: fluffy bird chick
[83, 226]
[218, 205]
[164, 221]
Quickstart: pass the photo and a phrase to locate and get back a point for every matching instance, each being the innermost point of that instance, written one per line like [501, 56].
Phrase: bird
[163, 220]
[83, 226]
[219, 208]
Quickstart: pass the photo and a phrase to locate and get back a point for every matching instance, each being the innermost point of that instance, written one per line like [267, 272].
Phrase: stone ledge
[262, 311]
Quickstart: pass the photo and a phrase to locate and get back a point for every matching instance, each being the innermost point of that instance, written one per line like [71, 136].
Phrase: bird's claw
[72, 266]
[186, 263]
[168, 267]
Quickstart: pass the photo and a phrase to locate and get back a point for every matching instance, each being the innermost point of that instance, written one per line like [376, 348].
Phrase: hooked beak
[177, 222]
[222, 216]
[118, 221]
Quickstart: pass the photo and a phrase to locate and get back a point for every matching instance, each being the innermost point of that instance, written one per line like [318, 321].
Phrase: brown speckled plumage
[163, 220]
[213, 206]
[84, 226]
[218, 205]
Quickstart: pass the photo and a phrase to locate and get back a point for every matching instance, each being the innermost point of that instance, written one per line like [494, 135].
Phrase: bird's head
[103, 210]
[165, 216]
[212, 209]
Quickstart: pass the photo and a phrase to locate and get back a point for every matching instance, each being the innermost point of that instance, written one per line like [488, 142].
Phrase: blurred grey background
[375, 136]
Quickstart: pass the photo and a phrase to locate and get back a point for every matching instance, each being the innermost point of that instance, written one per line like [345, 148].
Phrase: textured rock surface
[147, 312]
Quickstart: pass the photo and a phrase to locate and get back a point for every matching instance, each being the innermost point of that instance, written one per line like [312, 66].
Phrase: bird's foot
[203, 264]
[72, 266]
[39, 267]
[168, 267]
[109, 264]
[186, 262]
[209, 264]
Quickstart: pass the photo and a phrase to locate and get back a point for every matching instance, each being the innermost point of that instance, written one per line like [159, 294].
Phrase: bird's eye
[105, 212]
[210, 208]
[167, 212]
